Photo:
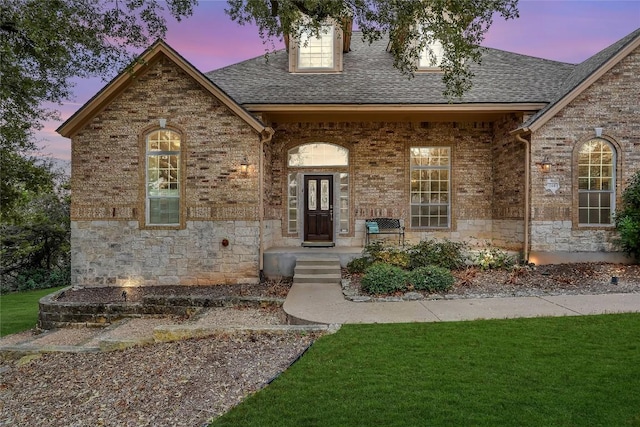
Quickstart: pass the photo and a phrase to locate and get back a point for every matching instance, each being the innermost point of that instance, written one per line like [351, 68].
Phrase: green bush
[378, 252]
[381, 278]
[492, 258]
[627, 219]
[444, 253]
[359, 265]
[394, 256]
[431, 278]
[39, 278]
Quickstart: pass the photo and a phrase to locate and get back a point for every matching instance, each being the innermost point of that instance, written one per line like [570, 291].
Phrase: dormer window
[317, 53]
[431, 56]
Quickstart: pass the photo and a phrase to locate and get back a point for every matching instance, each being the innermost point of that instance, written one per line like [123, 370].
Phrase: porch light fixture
[545, 165]
[163, 123]
[598, 132]
[244, 165]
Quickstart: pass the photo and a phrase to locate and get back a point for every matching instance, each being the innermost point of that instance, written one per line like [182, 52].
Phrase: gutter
[527, 193]
[265, 137]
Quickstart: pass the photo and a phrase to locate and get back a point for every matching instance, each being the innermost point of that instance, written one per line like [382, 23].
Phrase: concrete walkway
[324, 303]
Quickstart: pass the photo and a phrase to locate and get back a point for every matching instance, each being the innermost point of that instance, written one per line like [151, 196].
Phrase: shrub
[373, 249]
[627, 219]
[394, 256]
[444, 253]
[492, 258]
[431, 278]
[359, 265]
[40, 278]
[383, 278]
[378, 252]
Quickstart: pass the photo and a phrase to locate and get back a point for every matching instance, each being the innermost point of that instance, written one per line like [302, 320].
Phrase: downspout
[527, 193]
[265, 137]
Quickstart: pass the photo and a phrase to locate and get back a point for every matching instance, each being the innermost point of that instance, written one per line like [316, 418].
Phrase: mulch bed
[112, 294]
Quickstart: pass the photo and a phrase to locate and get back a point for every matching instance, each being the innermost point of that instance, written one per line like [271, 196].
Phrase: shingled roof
[370, 78]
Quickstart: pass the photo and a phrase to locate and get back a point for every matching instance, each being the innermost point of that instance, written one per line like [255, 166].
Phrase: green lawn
[19, 310]
[567, 371]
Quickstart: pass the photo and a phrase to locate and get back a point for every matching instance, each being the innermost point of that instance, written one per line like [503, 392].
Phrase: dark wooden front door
[318, 208]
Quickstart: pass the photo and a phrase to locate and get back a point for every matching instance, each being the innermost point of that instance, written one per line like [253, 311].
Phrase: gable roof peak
[583, 76]
[140, 65]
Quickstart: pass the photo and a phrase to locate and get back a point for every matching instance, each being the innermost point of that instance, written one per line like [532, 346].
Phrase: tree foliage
[412, 26]
[46, 43]
[35, 231]
[627, 218]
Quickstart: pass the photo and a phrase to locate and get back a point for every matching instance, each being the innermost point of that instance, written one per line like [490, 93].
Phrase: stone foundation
[119, 253]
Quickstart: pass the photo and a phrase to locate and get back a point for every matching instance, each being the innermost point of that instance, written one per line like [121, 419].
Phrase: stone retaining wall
[57, 314]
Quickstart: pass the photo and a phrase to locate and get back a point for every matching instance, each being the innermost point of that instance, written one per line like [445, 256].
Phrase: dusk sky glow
[561, 30]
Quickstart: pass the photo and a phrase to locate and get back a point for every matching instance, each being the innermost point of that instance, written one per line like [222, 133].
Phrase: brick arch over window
[595, 177]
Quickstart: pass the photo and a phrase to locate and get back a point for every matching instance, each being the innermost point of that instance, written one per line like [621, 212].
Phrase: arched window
[163, 178]
[596, 183]
[318, 154]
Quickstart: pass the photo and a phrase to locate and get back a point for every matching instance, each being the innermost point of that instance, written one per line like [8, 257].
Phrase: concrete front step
[316, 269]
[318, 260]
[317, 278]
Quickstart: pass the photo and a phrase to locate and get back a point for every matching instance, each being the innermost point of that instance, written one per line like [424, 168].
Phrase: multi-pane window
[318, 154]
[163, 178]
[317, 51]
[431, 56]
[430, 186]
[596, 183]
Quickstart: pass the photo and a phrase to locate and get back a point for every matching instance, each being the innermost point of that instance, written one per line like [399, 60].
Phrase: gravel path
[184, 383]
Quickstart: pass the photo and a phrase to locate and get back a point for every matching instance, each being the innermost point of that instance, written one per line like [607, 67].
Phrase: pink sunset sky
[561, 30]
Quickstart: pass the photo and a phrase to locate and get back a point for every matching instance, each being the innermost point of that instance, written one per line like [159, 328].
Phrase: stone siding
[120, 253]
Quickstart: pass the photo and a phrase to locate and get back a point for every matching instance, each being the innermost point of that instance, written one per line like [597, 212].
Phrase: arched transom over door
[321, 170]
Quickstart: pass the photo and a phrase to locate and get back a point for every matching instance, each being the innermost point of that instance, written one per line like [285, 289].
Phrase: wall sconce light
[598, 132]
[244, 165]
[163, 123]
[545, 165]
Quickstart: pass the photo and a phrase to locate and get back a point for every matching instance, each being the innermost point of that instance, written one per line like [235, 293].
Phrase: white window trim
[611, 191]
[425, 62]
[148, 198]
[411, 203]
[294, 54]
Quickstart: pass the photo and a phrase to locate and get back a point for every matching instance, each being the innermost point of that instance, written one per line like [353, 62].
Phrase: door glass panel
[344, 202]
[324, 194]
[292, 197]
[312, 195]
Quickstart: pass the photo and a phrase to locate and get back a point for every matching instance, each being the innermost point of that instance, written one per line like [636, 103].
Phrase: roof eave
[469, 107]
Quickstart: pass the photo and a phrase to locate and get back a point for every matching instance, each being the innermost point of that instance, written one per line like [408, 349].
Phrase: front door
[318, 208]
